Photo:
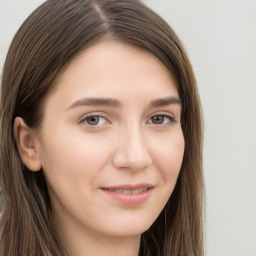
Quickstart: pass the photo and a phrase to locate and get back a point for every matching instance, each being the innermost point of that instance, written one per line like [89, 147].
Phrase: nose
[132, 151]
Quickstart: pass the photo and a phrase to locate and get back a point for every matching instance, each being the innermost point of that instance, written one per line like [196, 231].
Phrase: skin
[129, 141]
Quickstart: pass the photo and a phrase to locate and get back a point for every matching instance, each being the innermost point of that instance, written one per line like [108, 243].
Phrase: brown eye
[157, 119]
[161, 119]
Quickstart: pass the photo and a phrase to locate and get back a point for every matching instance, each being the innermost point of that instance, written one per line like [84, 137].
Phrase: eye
[161, 119]
[95, 120]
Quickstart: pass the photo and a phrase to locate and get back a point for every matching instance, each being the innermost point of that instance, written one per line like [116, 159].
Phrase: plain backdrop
[220, 37]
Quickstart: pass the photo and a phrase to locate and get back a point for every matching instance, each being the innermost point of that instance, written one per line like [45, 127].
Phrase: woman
[101, 135]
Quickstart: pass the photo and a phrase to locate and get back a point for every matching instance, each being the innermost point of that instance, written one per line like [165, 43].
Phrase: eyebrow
[116, 103]
[96, 102]
[164, 102]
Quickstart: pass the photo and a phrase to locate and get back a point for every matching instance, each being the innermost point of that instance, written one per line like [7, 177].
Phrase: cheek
[169, 156]
[72, 164]
[73, 156]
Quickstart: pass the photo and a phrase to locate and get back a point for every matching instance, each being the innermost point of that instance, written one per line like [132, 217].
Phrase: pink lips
[130, 194]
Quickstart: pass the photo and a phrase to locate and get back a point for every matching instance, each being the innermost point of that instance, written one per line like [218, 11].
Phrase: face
[110, 143]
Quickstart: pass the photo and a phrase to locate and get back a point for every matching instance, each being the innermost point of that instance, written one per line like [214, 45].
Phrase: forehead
[114, 69]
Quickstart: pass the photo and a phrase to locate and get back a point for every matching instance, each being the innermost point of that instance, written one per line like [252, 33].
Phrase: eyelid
[91, 114]
[164, 114]
[104, 115]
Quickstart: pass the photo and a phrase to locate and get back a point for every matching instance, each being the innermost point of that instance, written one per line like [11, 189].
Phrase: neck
[80, 242]
[105, 246]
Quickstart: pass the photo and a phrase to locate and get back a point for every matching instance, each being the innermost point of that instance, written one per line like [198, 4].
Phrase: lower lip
[135, 199]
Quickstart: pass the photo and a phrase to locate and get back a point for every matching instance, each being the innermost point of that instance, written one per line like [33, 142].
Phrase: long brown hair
[51, 37]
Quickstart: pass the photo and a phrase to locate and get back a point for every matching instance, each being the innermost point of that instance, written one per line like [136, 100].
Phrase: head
[53, 38]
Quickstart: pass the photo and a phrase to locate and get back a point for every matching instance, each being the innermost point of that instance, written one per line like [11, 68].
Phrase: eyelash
[85, 120]
[165, 116]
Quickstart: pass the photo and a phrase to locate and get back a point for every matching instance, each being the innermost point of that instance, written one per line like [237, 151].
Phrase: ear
[25, 141]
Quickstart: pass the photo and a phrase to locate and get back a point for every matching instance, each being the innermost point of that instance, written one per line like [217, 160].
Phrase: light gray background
[220, 36]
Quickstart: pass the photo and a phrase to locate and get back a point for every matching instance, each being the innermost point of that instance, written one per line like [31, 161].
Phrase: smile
[129, 191]
[129, 194]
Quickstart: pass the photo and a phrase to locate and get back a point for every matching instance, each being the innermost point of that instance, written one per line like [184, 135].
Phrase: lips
[129, 194]
[128, 191]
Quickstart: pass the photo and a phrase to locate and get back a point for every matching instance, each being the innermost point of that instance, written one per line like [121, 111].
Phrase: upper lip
[129, 186]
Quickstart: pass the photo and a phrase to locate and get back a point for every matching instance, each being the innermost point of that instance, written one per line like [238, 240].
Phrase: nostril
[132, 151]
[129, 162]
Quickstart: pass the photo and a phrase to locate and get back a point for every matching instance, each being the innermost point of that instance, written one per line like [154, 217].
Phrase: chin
[129, 228]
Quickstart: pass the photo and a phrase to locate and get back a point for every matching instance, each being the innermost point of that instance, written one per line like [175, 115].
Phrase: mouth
[128, 191]
[129, 194]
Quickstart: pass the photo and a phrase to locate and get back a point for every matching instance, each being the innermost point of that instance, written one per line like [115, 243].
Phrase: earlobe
[26, 145]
